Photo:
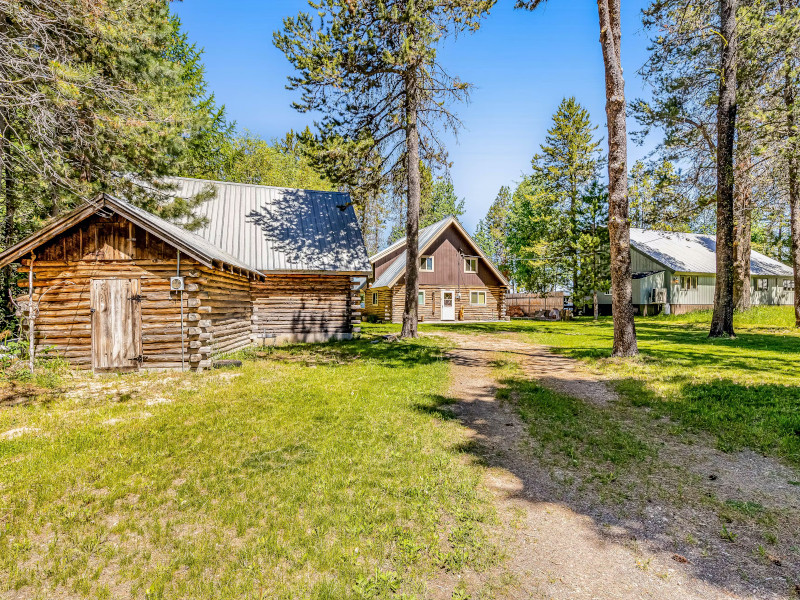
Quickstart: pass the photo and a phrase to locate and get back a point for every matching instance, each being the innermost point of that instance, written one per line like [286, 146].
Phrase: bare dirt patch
[665, 539]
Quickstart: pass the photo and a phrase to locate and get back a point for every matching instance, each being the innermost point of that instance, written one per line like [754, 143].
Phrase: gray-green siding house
[677, 272]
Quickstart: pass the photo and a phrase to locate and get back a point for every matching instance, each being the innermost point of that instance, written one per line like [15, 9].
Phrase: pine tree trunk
[412, 216]
[794, 193]
[743, 215]
[596, 307]
[9, 203]
[722, 319]
[618, 226]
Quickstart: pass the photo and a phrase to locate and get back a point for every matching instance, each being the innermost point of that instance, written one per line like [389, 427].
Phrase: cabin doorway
[448, 305]
[116, 325]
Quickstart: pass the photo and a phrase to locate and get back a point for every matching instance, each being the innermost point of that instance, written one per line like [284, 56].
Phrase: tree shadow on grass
[611, 473]
[765, 418]
[394, 354]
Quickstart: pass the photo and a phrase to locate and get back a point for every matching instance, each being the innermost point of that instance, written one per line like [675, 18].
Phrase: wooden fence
[530, 303]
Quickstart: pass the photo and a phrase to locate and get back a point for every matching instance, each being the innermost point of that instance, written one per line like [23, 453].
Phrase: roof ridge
[258, 185]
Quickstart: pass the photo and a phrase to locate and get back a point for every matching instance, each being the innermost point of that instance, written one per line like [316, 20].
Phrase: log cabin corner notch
[102, 281]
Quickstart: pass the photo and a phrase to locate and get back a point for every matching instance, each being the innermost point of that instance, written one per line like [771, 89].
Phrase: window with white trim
[374, 297]
[688, 282]
[762, 284]
[788, 285]
[477, 298]
[426, 263]
[421, 298]
[470, 265]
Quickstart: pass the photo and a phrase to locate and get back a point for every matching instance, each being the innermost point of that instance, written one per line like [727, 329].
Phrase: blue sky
[521, 63]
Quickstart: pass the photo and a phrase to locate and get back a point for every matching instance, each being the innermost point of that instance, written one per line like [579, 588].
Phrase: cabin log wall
[304, 307]
[65, 319]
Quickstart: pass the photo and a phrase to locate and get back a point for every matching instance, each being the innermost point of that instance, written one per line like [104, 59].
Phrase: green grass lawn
[318, 472]
[745, 391]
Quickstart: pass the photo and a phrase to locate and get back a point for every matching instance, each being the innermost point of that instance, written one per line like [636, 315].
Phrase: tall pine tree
[610, 21]
[568, 161]
[371, 68]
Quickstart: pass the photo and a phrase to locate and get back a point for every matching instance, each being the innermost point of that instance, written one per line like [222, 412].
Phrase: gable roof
[187, 242]
[427, 236]
[280, 229]
[695, 253]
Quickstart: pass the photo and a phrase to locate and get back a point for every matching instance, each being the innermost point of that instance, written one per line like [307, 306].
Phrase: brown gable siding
[448, 266]
[384, 262]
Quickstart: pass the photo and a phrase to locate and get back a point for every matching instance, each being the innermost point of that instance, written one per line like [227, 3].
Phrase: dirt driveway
[564, 539]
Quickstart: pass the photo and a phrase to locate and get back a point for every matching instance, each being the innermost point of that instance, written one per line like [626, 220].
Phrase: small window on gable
[421, 298]
[762, 284]
[374, 297]
[426, 263]
[688, 282]
[477, 298]
[788, 285]
[470, 265]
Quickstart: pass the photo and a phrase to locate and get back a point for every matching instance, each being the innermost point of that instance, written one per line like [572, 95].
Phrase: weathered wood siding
[226, 310]
[112, 248]
[65, 317]
[305, 307]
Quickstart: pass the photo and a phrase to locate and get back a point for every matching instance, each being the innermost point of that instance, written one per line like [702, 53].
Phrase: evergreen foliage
[491, 231]
[569, 160]
[371, 69]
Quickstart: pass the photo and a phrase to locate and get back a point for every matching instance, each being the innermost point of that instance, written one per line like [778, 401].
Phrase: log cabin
[457, 281]
[119, 289]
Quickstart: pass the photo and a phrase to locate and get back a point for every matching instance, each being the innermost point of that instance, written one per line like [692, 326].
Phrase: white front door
[448, 305]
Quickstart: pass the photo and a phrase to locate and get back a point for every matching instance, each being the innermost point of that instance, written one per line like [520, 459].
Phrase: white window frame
[421, 293]
[761, 288]
[425, 257]
[690, 279]
[477, 293]
[788, 285]
[374, 298]
[467, 262]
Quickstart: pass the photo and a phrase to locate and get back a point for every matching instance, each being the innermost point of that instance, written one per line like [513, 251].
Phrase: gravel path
[559, 546]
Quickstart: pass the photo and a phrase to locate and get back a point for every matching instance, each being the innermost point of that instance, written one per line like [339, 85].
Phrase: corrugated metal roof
[695, 253]
[426, 236]
[280, 229]
[191, 243]
[187, 242]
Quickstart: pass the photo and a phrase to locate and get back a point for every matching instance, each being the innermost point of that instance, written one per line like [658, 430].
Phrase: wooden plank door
[116, 324]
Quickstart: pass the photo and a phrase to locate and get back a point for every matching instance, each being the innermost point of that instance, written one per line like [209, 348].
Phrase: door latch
[136, 298]
[139, 359]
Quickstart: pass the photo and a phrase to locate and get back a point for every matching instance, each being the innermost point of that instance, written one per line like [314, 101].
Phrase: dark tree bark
[742, 228]
[412, 217]
[794, 194]
[618, 225]
[9, 203]
[722, 319]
